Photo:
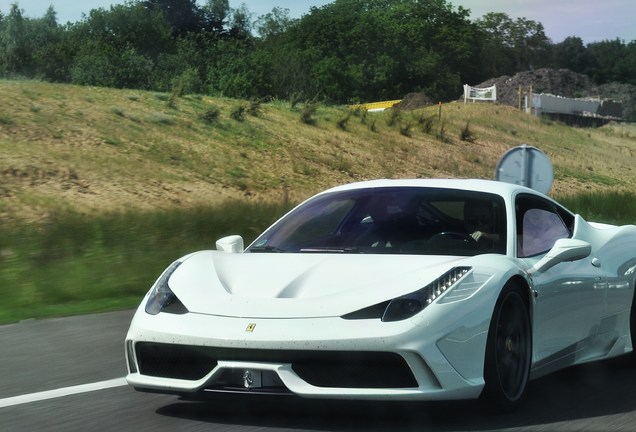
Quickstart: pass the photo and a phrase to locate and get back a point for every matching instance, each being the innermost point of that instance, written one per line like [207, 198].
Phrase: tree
[273, 23]
[15, 42]
[241, 22]
[237, 70]
[514, 46]
[191, 59]
[119, 47]
[571, 54]
[184, 16]
[630, 63]
[217, 14]
[498, 58]
[530, 44]
[50, 55]
[370, 49]
[609, 61]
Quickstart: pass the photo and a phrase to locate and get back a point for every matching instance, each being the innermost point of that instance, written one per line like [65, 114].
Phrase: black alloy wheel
[632, 327]
[508, 351]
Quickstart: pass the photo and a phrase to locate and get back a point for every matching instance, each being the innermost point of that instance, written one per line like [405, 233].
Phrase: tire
[632, 328]
[508, 351]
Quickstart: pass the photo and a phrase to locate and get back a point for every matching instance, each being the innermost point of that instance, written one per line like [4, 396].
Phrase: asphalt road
[37, 357]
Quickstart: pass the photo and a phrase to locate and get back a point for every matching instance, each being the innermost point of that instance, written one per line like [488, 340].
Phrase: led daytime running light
[441, 285]
[411, 304]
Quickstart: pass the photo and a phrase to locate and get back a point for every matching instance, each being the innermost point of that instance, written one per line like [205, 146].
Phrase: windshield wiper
[319, 249]
[331, 249]
[266, 249]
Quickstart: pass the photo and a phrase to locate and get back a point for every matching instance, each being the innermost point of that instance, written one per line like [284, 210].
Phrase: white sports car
[392, 289]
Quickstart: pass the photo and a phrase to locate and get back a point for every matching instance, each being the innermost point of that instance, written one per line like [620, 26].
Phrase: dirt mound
[414, 101]
[562, 82]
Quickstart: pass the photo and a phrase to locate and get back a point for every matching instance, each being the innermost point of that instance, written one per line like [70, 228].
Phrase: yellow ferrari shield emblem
[250, 327]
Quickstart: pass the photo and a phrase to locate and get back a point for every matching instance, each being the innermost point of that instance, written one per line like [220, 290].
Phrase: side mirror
[563, 250]
[230, 244]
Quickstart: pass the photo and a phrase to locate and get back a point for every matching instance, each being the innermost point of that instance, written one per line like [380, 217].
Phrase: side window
[539, 226]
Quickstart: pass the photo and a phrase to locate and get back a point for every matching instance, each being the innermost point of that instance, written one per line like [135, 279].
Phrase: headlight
[408, 305]
[161, 298]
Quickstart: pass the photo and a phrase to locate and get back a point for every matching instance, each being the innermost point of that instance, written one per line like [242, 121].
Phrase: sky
[591, 20]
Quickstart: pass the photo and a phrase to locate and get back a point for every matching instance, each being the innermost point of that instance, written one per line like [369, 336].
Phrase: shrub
[177, 92]
[394, 117]
[442, 133]
[188, 83]
[254, 108]
[238, 113]
[162, 119]
[426, 123]
[211, 115]
[342, 123]
[405, 130]
[466, 134]
[295, 99]
[308, 112]
[6, 120]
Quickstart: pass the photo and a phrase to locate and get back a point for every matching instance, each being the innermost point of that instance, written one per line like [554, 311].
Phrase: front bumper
[195, 354]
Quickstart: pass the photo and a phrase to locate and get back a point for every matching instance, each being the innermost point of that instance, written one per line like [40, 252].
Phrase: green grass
[587, 175]
[617, 208]
[74, 264]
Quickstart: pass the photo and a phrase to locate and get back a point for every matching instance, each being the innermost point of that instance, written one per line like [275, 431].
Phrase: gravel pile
[562, 82]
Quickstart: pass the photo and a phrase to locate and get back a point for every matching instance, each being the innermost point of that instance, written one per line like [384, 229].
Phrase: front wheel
[632, 328]
[508, 351]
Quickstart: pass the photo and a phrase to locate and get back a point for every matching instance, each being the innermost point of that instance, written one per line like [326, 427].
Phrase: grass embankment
[94, 150]
[100, 189]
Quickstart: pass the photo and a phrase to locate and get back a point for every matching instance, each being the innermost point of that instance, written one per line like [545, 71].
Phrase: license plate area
[252, 378]
[247, 379]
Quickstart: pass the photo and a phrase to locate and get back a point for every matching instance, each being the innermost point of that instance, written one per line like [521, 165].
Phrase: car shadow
[580, 396]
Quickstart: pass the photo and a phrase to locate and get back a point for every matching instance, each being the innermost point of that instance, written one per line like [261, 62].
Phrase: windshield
[404, 220]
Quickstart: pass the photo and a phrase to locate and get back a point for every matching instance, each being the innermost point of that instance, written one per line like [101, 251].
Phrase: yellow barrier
[376, 106]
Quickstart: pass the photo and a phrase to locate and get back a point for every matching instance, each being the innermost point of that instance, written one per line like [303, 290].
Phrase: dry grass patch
[130, 150]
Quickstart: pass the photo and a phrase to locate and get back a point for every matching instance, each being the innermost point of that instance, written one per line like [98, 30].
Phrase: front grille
[174, 361]
[356, 370]
[346, 369]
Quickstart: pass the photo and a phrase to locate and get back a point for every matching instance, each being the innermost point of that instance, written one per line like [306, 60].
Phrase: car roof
[496, 187]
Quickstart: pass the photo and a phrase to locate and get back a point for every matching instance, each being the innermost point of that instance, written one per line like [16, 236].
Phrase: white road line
[66, 391]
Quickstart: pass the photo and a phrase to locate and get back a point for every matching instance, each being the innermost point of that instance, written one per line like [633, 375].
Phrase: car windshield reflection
[392, 220]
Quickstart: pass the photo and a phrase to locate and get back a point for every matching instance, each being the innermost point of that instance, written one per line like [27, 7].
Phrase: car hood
[304, 285]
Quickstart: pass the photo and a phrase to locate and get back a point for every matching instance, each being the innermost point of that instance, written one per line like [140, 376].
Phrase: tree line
[346, 51]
